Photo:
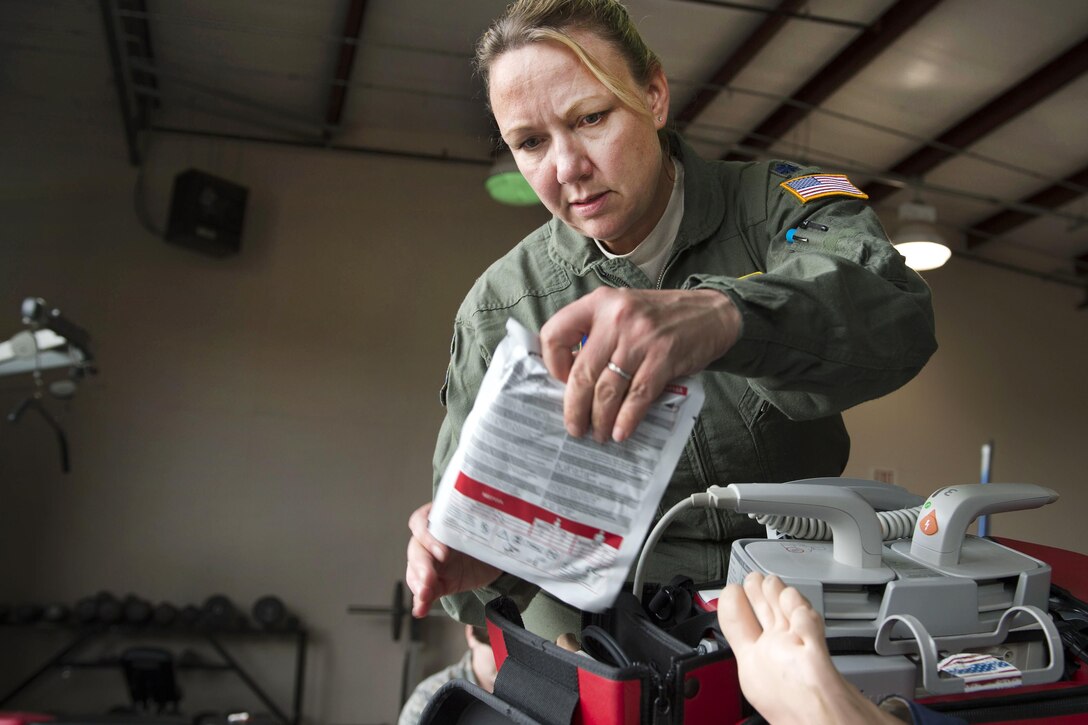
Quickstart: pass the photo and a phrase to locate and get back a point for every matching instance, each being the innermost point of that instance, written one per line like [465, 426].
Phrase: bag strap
[531, 676]
[693, 629]
[542, 690]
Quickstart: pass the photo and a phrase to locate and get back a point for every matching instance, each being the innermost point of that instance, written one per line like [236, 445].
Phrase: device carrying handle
[925, 646]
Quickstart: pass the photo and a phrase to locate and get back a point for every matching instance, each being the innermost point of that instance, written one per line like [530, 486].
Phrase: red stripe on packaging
[527, 512]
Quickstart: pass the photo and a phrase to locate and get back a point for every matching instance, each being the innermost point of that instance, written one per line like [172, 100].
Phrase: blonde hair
[532, 21]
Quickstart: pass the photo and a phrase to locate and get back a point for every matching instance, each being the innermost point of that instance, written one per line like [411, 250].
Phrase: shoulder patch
[784, 168]
[817, 186]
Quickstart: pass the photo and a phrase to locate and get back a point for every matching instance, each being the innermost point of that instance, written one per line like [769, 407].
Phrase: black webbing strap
[532, 678]
[693, 629]
[542, 686]
[505, 607]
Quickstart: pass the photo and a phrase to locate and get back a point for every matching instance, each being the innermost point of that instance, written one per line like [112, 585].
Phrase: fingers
[434, 570]
[648, 336]
[421, 576]
[593, 393]
[417, 523]
[757, 599]
[736, 618]
[772, 592]
[561, 334]
[425, 553]
[586, 374]
[774, 607]
[804, 621]
[613, 385]
[599, 378]
[646, 385]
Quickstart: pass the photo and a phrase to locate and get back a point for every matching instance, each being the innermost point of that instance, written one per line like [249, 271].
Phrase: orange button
[929, 523]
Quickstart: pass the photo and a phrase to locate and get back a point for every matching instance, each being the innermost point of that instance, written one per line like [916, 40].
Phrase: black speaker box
[206, 213]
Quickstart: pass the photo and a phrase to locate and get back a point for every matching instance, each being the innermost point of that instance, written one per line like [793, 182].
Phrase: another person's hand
[435, 570]
[785, 670]
[636, 342]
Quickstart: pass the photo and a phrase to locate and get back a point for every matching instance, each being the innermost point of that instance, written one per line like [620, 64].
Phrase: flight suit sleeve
[834, 319]
[469, 359]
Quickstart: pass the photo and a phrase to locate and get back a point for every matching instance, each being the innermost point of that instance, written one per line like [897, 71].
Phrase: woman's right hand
[636, 342]
[435, 570]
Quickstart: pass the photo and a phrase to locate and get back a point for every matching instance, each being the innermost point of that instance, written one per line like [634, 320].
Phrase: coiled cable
[897, 524]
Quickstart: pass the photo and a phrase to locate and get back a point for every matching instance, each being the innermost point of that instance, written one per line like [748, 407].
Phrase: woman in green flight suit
[775, 281]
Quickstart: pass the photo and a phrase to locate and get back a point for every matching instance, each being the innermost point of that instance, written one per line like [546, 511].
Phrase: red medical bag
[642, 675]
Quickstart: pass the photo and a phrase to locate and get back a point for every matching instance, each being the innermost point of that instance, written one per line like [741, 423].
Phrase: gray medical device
[910, 582]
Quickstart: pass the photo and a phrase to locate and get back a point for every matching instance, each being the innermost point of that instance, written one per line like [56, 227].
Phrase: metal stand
[401, 609]
[86, 635]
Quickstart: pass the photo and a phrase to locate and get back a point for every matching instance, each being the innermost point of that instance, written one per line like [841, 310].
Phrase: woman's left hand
[636, 342]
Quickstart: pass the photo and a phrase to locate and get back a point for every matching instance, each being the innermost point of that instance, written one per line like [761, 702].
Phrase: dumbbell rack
[84, 635]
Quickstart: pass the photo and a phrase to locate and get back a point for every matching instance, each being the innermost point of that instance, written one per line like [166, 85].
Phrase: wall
[1010, 369]
[264, 424]
[260, 424]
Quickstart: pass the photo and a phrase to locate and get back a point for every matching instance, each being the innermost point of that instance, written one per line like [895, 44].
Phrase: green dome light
[506, 185]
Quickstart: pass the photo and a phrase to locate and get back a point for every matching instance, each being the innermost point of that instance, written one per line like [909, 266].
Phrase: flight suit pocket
[789, 450]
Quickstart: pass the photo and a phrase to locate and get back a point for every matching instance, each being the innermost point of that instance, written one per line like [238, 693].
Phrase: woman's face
[594, 162]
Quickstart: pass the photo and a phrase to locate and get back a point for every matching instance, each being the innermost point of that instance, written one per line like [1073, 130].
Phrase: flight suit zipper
[619, 281]
[668, 263]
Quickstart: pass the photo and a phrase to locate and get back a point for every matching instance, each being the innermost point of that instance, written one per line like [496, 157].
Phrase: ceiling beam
[338, 90]
[736, 62]
[318, 145]
[136, 44]
[1051, 197]
[897, 20]
[791, 12]
[1024, 95]
[137, 32]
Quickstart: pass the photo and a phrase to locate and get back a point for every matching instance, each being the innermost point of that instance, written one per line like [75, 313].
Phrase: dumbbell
[136, 610]
[165, 614]
[102, 607]
[269, 612]
[86, 610]
[219, 612]
[26, 613]
[189, 616]
[108, 610]
[56, 613]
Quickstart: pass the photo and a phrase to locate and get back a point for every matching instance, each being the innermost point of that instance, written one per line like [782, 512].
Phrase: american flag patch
[816, 186]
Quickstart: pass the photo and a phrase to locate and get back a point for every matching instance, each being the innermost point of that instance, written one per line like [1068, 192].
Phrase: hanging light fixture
[506, 185]
[918, 238]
